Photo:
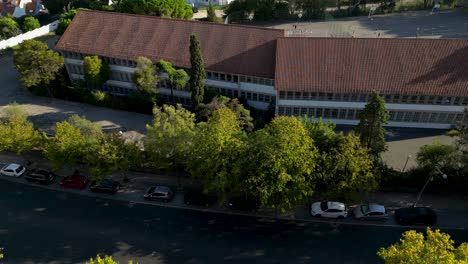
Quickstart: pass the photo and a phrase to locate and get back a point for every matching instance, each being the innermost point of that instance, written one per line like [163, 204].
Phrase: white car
[370, 212]
[328, 209]
[13, 170]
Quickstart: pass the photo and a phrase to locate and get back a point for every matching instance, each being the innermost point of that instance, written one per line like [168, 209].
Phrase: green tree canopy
[8, 28]
[177, 77]
[217, 145]
[90, 130]
[30, 23]
[165, 8]
[104, 260]
[96, 71]
[36, 63]
[169, 139]
[197, 72]
[18, 135]
[435, 248]
[370, 127]
[437, 155]
[280, 163]
[218, 102]
[211, 14]
[145, 75]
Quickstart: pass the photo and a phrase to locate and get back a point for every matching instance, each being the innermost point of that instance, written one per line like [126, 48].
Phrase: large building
[424, 81]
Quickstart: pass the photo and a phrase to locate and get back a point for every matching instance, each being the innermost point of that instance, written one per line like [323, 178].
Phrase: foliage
[177, 77]
[240, 10]
[8, 28]
[90, 130]
[169, 138]
[96, 71]
[437, 155]
[145, 75]
[279, 164]
[197, 72]
[65, 20]
[435, 248]
[217, 145]
[14, 110]
[104, 260]
[211, 14]
[165, 8]
[370, 127]
[18, 135]
[58, 6]
[30, 23]
[204, 111]
[36, 63]
[313, 8]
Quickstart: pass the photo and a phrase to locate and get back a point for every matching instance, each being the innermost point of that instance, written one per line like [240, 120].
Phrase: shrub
[8, 28]
[30, 23]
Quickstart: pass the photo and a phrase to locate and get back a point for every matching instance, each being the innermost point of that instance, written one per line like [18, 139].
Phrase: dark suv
[40, 176]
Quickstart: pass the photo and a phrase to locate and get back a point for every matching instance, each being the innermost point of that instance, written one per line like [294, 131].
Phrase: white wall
[29, 35]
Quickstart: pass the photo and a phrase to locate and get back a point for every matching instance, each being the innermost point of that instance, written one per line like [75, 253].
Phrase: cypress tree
[197, 72]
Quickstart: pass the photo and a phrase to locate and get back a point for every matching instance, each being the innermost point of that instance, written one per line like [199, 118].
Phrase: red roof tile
[226, 48]
[353, 65]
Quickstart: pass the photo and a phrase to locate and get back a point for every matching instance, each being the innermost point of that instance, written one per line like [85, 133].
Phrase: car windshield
[364, 208]
[324, 206]
[19, 169]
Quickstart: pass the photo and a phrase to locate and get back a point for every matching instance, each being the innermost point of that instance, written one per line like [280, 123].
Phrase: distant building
[424, 81]
[198, 3]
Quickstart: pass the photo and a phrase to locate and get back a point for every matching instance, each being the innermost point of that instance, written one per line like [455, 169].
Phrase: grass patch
[45, 37]
[218, 7]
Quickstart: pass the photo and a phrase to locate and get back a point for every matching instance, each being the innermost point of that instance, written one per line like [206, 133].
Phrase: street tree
[370, 127]
[18, 134]
[437, 155]
[8, 28]
[102, 162]
[197, 71]
[211, 14]
[36, 63]
[90, 130]
[96, 71]
[243, 115]
[145, 75]
[280, 164]
[165, 8]
[217, 145]
[436, 248]
[30, 23]
[177, 77]
[169, 138]
[104, 260]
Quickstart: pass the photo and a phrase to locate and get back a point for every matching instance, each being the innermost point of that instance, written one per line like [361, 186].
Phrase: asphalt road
[43, 226]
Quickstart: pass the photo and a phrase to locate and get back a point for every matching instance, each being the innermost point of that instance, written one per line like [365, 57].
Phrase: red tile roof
[226, 48]
[353, 65]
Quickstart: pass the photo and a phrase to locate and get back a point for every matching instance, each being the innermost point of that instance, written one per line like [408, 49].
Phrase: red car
[74, 181]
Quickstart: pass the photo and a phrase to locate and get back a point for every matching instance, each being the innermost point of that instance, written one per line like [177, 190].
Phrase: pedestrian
[295, 26]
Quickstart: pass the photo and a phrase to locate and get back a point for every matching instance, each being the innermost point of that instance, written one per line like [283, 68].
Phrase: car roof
[162, 189]
[336, 205]
[12, 166]
[376, 208]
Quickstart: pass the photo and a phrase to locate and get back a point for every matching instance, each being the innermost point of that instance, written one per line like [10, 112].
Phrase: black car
[194, 9]
[415, 215]
[40, 176]
[244, 203]
[197, 197]
[106, 186]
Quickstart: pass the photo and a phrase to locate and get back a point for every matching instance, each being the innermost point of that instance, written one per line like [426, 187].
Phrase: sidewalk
[452, 210]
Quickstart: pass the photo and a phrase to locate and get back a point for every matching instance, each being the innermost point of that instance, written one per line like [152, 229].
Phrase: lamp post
[431, 177]
[406, 163]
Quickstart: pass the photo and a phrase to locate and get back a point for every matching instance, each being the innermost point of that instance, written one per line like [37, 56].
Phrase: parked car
[328, 209]
[194, 9]
[106, 186]
[162, 193]
[40, 176]
[197, 197]
[13, 170]
[370, 212]
[244, 203]
[74, 181]
[416, 215]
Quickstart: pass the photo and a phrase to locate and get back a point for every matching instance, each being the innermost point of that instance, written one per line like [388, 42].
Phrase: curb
[209, 210]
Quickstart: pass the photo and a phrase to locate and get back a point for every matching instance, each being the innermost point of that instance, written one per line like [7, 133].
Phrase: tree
[435, 248]
[370, 127]
[165, 8]
[18, 134]
[8, 28]
[90, 130]
[211, 14]
[145, 75]
[437, 155]
[169, 138]
[218, 102]
[280, 164]
[96, 71]
[30, 23]
[217, 145]
[177, 77]
[103, 160]
[197, 72]
[36, 63]
[104, 260]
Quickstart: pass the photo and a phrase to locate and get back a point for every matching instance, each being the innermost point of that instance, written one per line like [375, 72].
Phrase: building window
[249, 96]
[447, 101]
[442, 118]
[255, 97]
[282, 95]
[425, 117]
[399, 116]
[450, 118]
[303, 111]
[208, 75]
[311, 112]
[229, 77]
[459, 117]
[422, 99]
[434, 117]
[235, 78]
[305, 95]
[222, 77]
[329, 96]
[242, 94]
[396, 98]
[439, 100]
[289, 95]
[318, 112]
[388, 98]
[342, 114]
[408, 116]
[354, 97]
[267, 98]
[391, 115]
[465, 101]
[345, 97]
[297, 95]
[334, 113]
[327, 113]
[261, 97]
[416, 117]
[413, 99]
[281, 110]
[431, 100]
[362, 97]
[288, 111]
[404, 99]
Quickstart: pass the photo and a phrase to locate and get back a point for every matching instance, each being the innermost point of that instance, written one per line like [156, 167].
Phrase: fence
[29, 35]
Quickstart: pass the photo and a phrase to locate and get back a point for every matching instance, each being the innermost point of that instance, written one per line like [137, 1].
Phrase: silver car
[370, 212]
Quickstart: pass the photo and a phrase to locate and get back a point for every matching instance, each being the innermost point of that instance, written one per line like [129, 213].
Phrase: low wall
[29, 35]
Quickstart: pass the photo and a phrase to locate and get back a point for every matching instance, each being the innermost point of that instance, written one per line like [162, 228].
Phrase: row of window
[120, 76]
[353, 114]
[164, 83]
[76, 69]
[233, 93]
[177, 99]
[115, 61]
[116, 89]
[389, 98]
[227, 77]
